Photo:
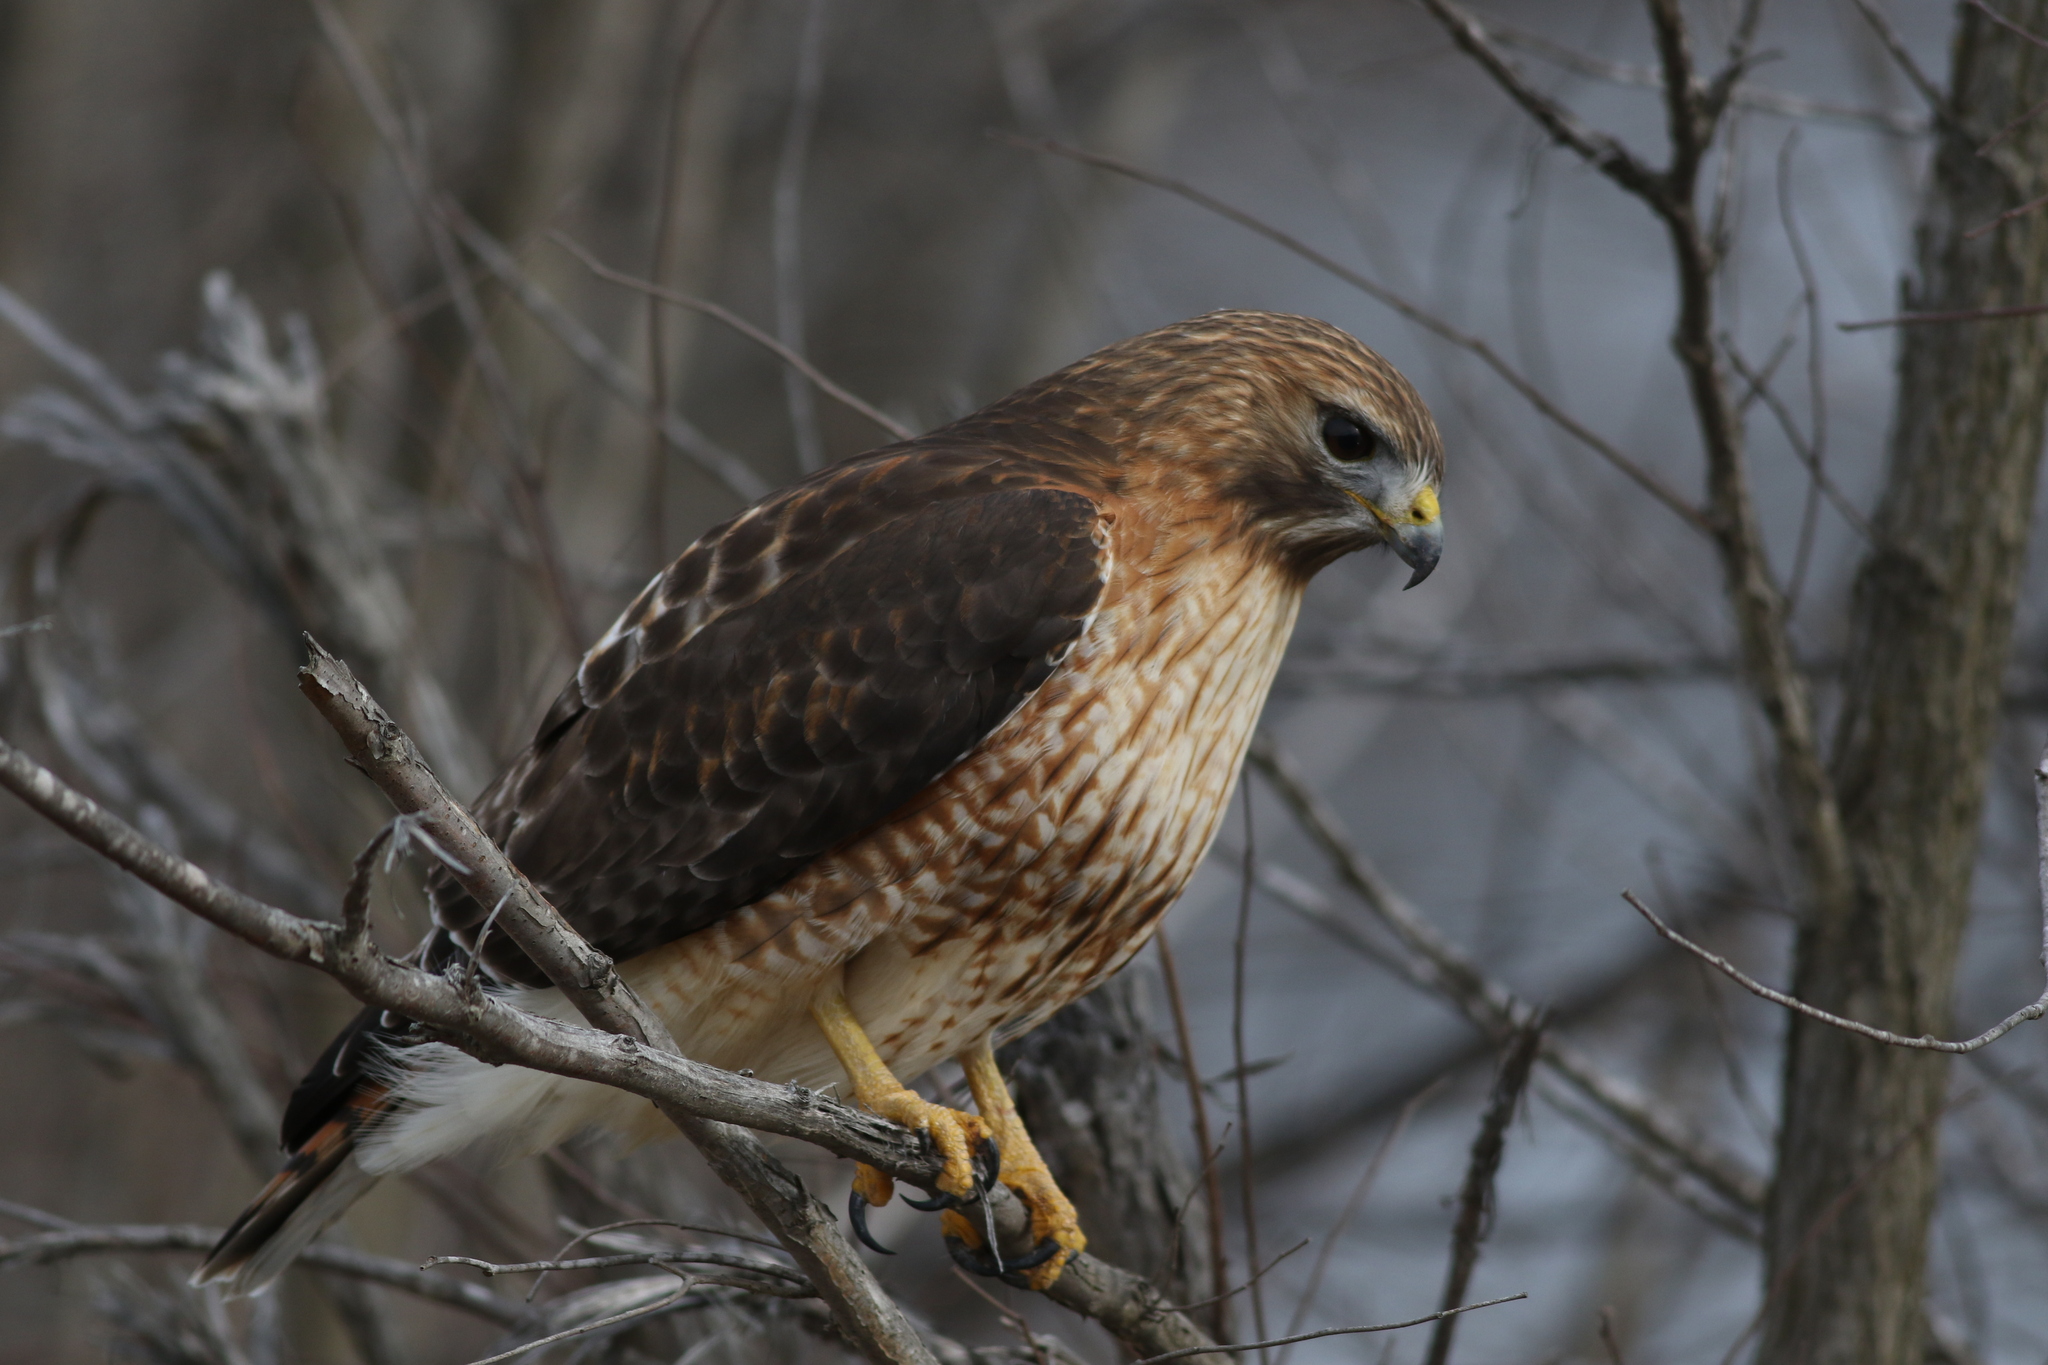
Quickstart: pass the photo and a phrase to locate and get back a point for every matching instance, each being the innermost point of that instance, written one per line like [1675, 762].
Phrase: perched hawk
[906, 756]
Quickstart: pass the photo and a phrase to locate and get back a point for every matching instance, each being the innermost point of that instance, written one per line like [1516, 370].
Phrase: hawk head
[1316, 443]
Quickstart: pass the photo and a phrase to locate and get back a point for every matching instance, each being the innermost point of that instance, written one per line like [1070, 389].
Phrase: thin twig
[743, 327]
[1421, 317]
[786, 231]
[1743, 97]
[1331, 1332]
[1198, 1109]
[66, 1239]
[684, 1284]
[2036, 39]
[1974, 233]
[1259, 1275]
[668, 184]
[1903, 56]
[722, 465]
[1925, 1042]
[1247, 1168]
[1476, 1197]
[791, 1285]
[486, 1025]
[1433, 964]
[1306, 1304]
[2016, 310]
[1815, 457]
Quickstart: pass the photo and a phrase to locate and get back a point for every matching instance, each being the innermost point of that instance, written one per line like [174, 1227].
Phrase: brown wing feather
[791, 680]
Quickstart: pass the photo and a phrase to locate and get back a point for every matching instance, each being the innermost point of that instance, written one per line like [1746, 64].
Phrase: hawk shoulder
[793, 678]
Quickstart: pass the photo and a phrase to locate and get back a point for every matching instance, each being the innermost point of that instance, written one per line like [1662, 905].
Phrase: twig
[1760, 386]
[1127, 1305]
[1198, 1108]
[1247, 1183]
[1306, 1304]
[728, 469]
[1254, 1279]
[1903, 56]
[786, 232]
[1974, 233]
[522, 460]
[68, 1239]
[1421, 317]
[1475, 1199]
[739, 324]
[1924, 1042]
[2036, 39]
[1743, 97]
[1332, 1332]
[2016, 310]
[587, 979]
[1816, 444]
[684, 1284]
[1608, 1338]
[1432, 964]
[788, 1284]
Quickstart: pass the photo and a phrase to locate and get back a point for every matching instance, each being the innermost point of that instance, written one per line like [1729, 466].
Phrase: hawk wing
[796, 676]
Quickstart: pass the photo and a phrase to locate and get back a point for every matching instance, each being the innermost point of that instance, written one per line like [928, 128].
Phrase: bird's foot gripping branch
[626, 1045]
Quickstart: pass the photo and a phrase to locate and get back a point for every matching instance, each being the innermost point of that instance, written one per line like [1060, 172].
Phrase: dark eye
[1346, 440]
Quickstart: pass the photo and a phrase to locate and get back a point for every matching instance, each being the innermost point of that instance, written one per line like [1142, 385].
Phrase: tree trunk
[1931, 625]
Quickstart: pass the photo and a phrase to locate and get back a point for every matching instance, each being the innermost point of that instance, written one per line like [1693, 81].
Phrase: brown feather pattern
[959, 716]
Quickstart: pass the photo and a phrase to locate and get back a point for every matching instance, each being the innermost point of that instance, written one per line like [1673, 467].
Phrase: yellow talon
[954, 1134]
[872, 1185]
[1023, 1169]
[955, 1137]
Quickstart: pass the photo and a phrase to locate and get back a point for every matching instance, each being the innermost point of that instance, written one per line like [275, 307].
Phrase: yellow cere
[1424, 510]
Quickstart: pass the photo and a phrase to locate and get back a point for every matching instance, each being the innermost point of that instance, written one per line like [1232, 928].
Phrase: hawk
[903, 758]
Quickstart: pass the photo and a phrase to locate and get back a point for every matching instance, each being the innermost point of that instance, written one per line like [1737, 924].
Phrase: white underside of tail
[328, 1201]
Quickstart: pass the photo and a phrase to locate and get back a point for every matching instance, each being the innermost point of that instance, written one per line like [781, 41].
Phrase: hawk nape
[905, 757]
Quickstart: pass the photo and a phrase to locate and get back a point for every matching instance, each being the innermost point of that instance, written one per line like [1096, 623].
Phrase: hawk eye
[1346, 440]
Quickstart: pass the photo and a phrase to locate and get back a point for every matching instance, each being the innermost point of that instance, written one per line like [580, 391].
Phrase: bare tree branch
[783, 352]
[1599, 445]
[1475, 1198]
[1334, 1332]
[77, 1239]
[727, 468]
[1434, 965]
[1923, 1043]
[486, 1026]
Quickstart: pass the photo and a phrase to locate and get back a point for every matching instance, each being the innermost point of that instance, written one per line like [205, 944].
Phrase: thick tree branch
[483, 1024]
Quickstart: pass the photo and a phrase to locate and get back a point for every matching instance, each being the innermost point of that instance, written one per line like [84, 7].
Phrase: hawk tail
[319, 1182]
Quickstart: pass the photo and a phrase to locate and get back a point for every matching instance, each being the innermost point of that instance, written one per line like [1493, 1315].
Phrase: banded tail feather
[331, 1108]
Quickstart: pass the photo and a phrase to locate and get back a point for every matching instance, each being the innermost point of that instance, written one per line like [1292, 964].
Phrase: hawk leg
[955, 1135]
[1055, 1229]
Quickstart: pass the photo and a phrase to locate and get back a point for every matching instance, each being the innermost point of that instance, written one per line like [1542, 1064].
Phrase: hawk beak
[1419, 547]
[1417, 535]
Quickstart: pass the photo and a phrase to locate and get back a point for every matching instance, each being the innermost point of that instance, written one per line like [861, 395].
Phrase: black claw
[939, 1200]
[973, 1260]
[980, 1261]
[857, 1214]
[1040, 1254]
